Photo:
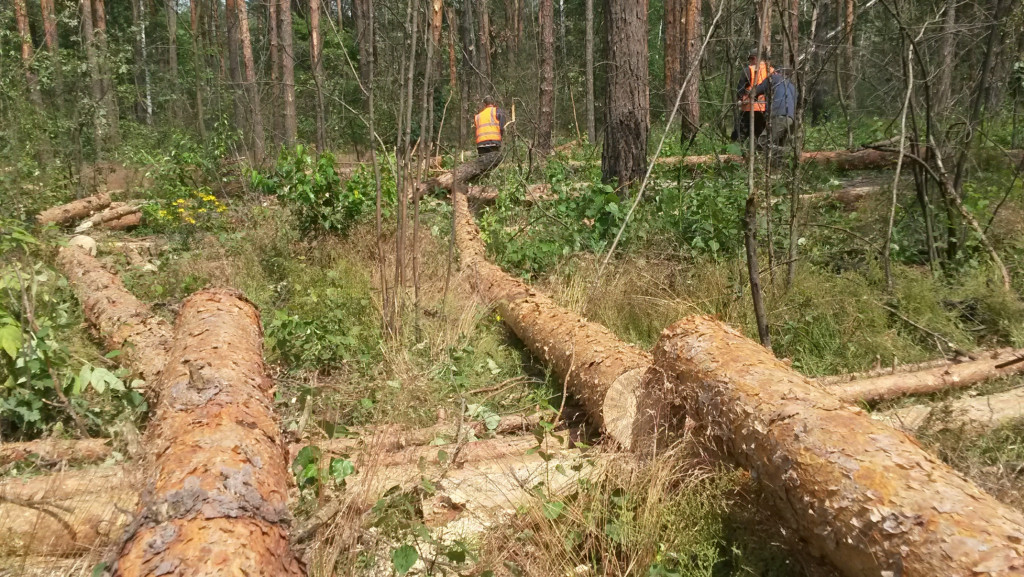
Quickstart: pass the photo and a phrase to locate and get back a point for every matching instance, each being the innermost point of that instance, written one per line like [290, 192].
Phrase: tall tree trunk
[691, 68]
[624, 155]
[172, 58]
[485, 40]
[341, 17]
[793, 42]
[591, 128]
[143, 110]
[199, 67]
[215, 452]
[276, 117]
[674, 36]
[27, 56]
[851, 70]
[49, 25]
[545, 116]
[943, 88]
[470, 58]
[363, 12]
[252, 92]
[95, 82]
[315, 52]
[231, 19]
[288, 71]
[99, 20]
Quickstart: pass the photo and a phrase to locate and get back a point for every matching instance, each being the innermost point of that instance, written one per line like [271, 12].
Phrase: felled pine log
[216, 498]
[974, 414]
[600, 370]
[861, 493]
[116, 212]
[69, 451]
[934, 379]
[122, 321]
[461, 173]
[67, 214]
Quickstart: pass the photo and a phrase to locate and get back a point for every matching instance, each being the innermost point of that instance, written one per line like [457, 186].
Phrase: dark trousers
[487, 148]
[743, 125]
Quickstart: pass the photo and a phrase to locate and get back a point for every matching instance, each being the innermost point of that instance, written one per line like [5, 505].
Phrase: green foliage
[403, 558]
[705, 218]
[311, 187]
[312, 475]
[321, 342]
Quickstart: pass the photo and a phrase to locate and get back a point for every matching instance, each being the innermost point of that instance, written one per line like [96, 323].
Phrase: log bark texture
[599, 369]
[122, 321]
[65, 514]
[866, 496]
[54, 451]
[976, 414]
[216, 502]
[116, 211]
[126, 222]
[931, 380]
[462, 173]
[66, 214]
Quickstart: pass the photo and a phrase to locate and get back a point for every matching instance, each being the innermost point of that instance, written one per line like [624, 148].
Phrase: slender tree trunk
[363, 11]
[288, 71]
[231, 18]
[315, 52]
[793, 42]
[624, 155]
[851, 71]
[143, 112]
[199, 67]
[545, 116]
[95, 82]
[99, 15]
[27, 56]
[944, 82]
[341, 18]
[674, 41]
[172, 58]
[252, 92]
[485, 40]
[691, 67]
[49, 25]
[591, 128]
[276, 118]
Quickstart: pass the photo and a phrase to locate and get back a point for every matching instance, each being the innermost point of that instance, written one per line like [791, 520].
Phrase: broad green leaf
[553, 509]
[403, 558]
[341, 468]
[11, 340]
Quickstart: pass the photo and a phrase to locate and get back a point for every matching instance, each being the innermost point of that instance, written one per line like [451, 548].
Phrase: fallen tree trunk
[866, 496]
[217, 498]
[976, 414]
[462, 173]
[599, 369]
[65, 514]
[54, 451]
[842, 159]
[122, 321]
[116, 211]
[124, 223]
[66, 214]
[931, 380]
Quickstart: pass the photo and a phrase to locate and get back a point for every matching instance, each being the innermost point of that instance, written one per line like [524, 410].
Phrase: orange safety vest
[488, 129]
[756, 77]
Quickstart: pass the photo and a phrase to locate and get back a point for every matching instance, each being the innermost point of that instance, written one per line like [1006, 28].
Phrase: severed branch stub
[216, 502]
[861, 493]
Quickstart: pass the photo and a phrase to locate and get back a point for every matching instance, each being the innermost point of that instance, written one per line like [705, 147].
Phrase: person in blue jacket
[781, 96]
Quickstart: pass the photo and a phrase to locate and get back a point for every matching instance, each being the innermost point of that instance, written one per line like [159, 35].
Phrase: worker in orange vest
[757, 70]
[490, 127]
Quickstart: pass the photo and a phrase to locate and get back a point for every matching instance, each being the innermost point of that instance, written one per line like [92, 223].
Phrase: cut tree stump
[975, 414]
[122, 321]
[599, 369]
[863, 494]
[216, 502]
[72, 212]
[53, 451]
[65, 514]
[931, 380]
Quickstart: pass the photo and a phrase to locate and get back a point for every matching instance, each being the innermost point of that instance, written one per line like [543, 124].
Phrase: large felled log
[933, 379]
[863, 494]
[122, 321]
[65, 514]
[976, 414]
[462, 173]
[116, 211]
[52, 451]
[66, 214]
[599, 369]
[126, 222]
[216, 502]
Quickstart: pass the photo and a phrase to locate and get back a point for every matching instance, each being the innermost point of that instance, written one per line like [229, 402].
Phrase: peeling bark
[66, 214]
[122, 321]
[64, 514]
[867, 497]
[216, 501]
[54, 451]
[599, 369]
[976, 414]
[124, 223]
[951, 376]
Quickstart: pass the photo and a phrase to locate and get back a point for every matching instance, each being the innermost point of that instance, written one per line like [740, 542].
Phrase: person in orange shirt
[756, 71]
[490, 127]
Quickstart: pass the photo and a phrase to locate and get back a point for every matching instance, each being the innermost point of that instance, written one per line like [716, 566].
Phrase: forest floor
[581, 511]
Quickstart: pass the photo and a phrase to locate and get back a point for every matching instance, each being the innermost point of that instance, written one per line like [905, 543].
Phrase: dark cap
[754, 53]
[488, 101]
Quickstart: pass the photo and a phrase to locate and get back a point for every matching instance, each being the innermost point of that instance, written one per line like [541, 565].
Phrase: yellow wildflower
[191, 220]
[201, 210]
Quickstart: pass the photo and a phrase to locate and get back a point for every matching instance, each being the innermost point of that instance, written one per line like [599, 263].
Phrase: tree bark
[116, 211]
[252, 93]
[944, 83]
[287, 71]
[276, 116]
[971, 414]
[674, 41]
[43, 153]
[753, 268]
[172, 57]
[949, 376]
[624, 155]
[199, 67]
[315, 51]
[142, 111]
[126, 222]
[49, 25]
[99, 19]
[56, 451]
[122, 321]
[545, 116]
[216, 500]
[231, 19]
[601, 371]
[485, 39]
[589, 47]
[66, 214]
[867, 497]
[363, 12]
[95, 81]
[691, 67]
[462, 173]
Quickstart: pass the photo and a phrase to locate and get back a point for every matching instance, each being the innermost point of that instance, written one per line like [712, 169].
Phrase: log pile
[118, 216]
[67, 214]
[866, 496]
[216, 501]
